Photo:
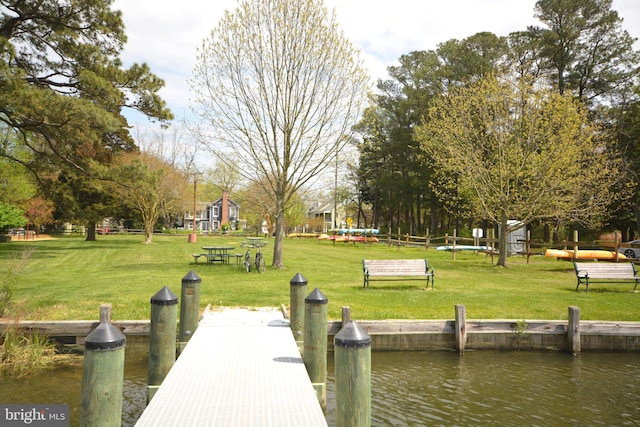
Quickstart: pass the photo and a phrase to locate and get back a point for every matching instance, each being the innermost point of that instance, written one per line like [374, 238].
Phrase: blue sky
[165, 34]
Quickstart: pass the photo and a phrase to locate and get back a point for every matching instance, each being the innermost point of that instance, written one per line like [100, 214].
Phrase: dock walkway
[240, 368]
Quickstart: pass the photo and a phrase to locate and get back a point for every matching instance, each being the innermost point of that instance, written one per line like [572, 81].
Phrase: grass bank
[67, 279]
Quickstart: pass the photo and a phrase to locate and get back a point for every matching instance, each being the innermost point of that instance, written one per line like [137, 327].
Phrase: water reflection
[481, 388]
[502, 388]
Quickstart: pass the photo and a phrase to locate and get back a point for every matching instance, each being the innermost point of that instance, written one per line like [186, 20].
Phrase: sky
[166, 34]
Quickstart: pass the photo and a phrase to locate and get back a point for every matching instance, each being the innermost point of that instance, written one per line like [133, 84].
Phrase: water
[486, 388]
[64, 385]
[480, 388]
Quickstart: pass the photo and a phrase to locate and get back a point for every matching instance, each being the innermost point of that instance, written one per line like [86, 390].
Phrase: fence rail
[526, 247]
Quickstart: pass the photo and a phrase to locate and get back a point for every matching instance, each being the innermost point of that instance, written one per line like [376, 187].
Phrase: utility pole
[193, 237]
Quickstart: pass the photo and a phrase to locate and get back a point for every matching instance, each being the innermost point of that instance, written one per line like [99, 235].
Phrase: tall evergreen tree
[586, 48]
[63, 87]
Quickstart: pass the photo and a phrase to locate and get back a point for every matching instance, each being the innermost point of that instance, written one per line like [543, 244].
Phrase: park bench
[397, 269]
[589, 272]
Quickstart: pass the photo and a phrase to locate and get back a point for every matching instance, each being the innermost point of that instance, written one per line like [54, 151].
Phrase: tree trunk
[148, 221]
[91, 231]
[148, 234]
[502, 256]
[277, 243]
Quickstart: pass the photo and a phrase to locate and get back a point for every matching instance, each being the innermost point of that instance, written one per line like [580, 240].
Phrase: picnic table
[217, 254]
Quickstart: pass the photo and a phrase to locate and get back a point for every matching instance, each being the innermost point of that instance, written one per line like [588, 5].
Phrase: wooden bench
[397, 269]
[589, 272]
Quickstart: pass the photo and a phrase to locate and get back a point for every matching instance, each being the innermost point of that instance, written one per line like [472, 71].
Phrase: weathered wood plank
[76, 327]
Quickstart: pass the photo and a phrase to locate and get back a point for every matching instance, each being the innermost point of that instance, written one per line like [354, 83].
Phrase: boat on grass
[596, 254]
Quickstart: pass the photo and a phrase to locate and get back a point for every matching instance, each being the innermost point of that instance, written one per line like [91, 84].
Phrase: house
[325, 212]
[223, 211]
[211, 215]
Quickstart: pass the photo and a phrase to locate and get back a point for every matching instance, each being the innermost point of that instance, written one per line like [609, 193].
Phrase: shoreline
[403, 335]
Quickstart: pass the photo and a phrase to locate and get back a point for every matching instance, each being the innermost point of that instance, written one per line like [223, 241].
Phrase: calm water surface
[481, 388]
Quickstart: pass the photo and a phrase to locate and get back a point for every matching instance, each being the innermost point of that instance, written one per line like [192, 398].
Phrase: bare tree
[150, 185]
[278, 87]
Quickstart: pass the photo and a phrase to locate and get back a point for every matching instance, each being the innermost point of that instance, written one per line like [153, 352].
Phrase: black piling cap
[164, 297]
[352, 336]
[105, 337]
[316, 297]
[191, 277]
[298, 280]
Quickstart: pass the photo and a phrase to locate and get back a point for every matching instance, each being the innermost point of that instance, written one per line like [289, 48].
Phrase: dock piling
[162, 345]
[352, 352]
[461, 327]
[315, 343]
[103, 374]
[189, 308]
[298, 291]
[573, 330]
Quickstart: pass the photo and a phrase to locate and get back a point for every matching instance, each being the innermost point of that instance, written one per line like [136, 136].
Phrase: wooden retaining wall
[407, 335]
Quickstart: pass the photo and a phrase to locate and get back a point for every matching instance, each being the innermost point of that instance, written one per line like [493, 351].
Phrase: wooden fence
[491, 243]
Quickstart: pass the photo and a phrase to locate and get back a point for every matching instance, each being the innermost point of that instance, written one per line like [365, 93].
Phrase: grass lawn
[68, 278]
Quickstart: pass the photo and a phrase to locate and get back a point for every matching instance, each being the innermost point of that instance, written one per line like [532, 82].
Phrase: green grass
[68, 278]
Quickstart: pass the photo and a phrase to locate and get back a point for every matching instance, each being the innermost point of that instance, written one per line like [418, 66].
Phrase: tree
[63, 86]
[17, 185]
[392, 176]
[40, 212]
[585, 47]
[629, 142]
[63, 91]
[11, 217]
[80, 198]
[279, 87]
[150, 186]
[225, 175]
[525, 153]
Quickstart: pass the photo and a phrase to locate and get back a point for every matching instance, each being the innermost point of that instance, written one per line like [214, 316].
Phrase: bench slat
[587, 271]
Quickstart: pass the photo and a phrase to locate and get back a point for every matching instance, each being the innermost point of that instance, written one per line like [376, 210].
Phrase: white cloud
[166, 34]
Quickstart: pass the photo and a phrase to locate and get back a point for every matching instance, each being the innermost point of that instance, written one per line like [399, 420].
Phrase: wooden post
[346, 315]
[575, 245]
[427, 241]
[454, 243]
[103, 374]
[162, 345]
[461, 327]
[617, 246]
[189, 308]
[352, 353]
[297, 292]
[315, 343]
[573, 330]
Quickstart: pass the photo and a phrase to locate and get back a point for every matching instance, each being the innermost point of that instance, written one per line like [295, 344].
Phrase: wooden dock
[240, 368]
